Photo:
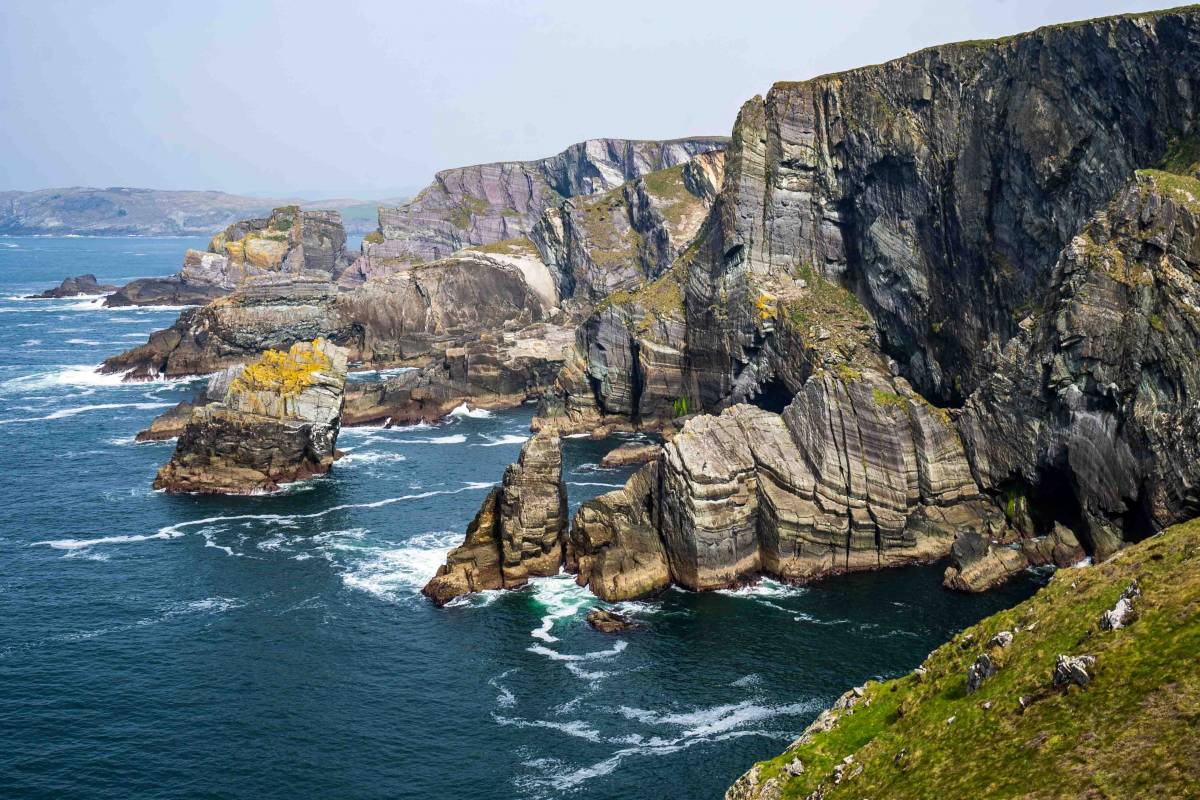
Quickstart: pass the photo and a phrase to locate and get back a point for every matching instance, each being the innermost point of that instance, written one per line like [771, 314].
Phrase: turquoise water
[277, 647]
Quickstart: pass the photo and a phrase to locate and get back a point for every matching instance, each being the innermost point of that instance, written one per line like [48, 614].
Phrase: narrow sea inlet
[278, 646]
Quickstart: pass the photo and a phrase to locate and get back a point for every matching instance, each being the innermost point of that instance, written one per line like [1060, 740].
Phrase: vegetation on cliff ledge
[1132, 731]
[286, 374]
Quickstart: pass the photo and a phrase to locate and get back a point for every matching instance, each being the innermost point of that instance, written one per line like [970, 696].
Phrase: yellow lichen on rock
[287, 374]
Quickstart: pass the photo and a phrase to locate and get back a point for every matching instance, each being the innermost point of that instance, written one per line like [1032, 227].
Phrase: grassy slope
[1134, 731]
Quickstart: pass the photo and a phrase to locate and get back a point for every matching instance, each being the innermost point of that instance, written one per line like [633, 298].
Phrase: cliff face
[939, 188]
[488, 203]
[929, 218]
[277, 421]
[598, 244]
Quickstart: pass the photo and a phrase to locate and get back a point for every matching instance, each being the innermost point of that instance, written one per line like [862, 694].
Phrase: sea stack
[518, 532]
[277, 422]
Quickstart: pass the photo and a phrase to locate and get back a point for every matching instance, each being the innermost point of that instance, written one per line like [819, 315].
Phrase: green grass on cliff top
[1133, 732]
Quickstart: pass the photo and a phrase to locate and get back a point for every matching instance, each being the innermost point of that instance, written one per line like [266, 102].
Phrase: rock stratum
[277, 422]
[979, 317]
[517, 534]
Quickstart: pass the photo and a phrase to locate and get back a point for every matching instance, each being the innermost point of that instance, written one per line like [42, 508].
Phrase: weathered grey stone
[979, 671]
[1073, 670]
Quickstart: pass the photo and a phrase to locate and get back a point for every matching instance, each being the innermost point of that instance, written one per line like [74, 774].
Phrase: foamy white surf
[63, 413]
[562, 599]
[394, 573]
[465, 410]
[498, 441]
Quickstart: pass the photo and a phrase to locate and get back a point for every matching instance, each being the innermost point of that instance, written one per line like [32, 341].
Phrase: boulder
[608, 621]
[982, 669]
[1072, 670]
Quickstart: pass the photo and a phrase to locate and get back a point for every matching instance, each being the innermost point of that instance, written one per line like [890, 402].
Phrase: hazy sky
[350, 97]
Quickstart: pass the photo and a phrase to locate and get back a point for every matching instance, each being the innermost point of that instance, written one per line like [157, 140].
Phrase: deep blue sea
[277, 647]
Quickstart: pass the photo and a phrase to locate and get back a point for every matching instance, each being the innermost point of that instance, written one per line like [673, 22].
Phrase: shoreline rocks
[277, 422]
[73, 287]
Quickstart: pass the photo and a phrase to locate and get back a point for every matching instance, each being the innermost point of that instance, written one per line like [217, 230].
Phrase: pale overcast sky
[368, 99]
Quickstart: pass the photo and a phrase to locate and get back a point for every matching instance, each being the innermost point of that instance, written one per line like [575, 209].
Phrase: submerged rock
[73, 287]
[517, 533]
[276, 423]
[608, 621]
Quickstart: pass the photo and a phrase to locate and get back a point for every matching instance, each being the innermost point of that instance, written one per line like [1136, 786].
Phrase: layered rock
[1091, 419]
[598, 244]
[73, 287]
[494, 370]
[276, 423]
[614, 546]
[271, 312]
[310, 243]
[489, 203]
[978, 563]
[517, 534]
[938, 187]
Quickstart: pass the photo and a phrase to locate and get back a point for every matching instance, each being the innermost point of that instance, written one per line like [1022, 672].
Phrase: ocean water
[278, 647]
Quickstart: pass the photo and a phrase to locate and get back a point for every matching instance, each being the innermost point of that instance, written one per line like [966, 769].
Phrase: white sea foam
[374, 457]
[553, 655]
[82, 341]
[576, 728]
[509, 438]
[765, 588]
[70, 375]
[456, 438]
[561, 598]
[63, 413]
[77, 544]
[31, 343]
[465, 410]
[399, 572]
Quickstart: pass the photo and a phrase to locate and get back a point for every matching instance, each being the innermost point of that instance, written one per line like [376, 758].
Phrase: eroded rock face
[291, 241]
[494, 370]
[598, 244]
[614, 545]
[939, 187]
[272, 312]
[517, 534]
[277, 422]
[489, 203]
[1092, 414]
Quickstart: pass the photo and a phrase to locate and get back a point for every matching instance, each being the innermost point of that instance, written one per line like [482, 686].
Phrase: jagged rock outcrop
[598, 244]
[271, 312]
[405, 318]
[494, 370]
[489, 203]
[277, 422]
[628, 364]
[310, 243]
[982, 560]
[629, 454]
[614, 546]
[517, 534]
[73, 287]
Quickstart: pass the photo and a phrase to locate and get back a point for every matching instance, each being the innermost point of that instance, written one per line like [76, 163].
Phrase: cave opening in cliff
[772, 396]
[1053, 500]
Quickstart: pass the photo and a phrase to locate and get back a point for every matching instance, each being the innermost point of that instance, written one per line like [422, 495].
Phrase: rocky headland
[276, 422]
[880, 384]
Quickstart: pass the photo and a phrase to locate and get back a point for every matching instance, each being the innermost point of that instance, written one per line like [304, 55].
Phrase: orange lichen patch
[286, 374]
